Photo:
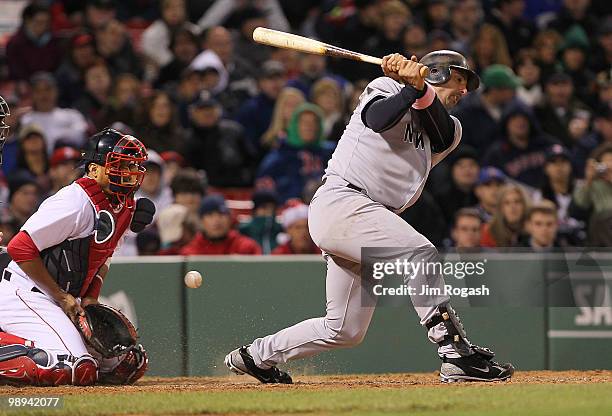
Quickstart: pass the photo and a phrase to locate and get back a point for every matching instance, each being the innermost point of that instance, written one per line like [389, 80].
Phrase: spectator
[188, 189]
[520, 152]
[216, 235]
[541, 226]
[395, 15]
[219, 146]
[288, 100]
[546, 44]
[124, 102]
[235, 83]
[63, 168]
[574, 52]
[508, 17]
[65, 126]
[490, 48]
[221, 10]
[69, 75]
[595, 193]
[466, 232]
[245, 21]
[160, 130]
[558, 187]
[459, 191]
[574, 13]
[601, 134]
[114, 45]
[480, 114]
[33, 48]
[155, 40]
[24, 197]
[602, 57]
[295, 223]
[177, 227]
[415, 43]
[302, 157]
[8, 227]
[466, 16]
[437, 15]
[313, 68]
[95, 97]
[263, 227]
[427, 218]
[559, 108]
[327, 94]
[530, 91]
[506, 228]
[32, 155]
[490, 181]
[174, 162]
[98, 13]
[255, 114]
[184, 48]
[153, 185]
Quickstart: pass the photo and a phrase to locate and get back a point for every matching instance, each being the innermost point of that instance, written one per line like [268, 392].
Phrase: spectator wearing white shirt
[61, 125]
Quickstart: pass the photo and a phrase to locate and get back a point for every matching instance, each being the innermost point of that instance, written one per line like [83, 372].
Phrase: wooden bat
[286, 40]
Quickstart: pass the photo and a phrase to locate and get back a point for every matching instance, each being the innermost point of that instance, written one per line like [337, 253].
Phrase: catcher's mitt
[107, 330]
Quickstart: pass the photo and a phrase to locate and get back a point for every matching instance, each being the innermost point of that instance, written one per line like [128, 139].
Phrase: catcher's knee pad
[131, 367]
[33, 366]
[10, 339]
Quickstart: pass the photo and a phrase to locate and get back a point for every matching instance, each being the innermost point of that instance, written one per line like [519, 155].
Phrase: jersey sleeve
[438, 157]
[65, 215]
[381, 87]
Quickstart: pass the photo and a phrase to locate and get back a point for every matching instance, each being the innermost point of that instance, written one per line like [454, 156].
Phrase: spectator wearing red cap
[63, 168]
[295, 223]
[217, 236]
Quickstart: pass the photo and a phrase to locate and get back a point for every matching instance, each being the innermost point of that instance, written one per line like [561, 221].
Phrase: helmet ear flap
[438, 74]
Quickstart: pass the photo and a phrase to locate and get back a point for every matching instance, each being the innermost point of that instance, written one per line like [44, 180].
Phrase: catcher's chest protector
[74, 263]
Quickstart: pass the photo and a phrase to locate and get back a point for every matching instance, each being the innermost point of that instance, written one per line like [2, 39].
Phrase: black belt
[358, 189]
[6, 275]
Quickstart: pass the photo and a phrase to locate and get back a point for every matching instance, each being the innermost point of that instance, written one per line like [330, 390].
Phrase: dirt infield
[229, 383]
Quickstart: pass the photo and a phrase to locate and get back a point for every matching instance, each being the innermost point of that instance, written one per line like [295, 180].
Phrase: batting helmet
[122, 156]
[4, 128]
[440, 64]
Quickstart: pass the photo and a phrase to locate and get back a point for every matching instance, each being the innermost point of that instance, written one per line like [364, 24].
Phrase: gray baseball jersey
[391, 166]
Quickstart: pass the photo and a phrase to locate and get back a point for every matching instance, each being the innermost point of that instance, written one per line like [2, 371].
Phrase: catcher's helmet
[4, 129]
[122, 156]
[440, 64]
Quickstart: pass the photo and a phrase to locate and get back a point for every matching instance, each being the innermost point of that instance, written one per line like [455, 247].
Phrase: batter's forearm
[382, 113]
[438, 124]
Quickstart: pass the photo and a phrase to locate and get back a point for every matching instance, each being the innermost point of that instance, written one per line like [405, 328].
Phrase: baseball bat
[286, 40]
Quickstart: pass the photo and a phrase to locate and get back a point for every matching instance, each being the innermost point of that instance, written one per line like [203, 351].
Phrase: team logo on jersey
[104, 228]
[413, 133]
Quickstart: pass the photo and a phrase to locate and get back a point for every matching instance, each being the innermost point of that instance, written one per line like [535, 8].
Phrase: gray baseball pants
[341, 221]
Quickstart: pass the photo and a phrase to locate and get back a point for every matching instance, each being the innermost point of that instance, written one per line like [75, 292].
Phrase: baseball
[193, 279]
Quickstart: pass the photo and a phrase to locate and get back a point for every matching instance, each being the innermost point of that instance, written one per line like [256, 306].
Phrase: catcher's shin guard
[31, 366]
[132, 367]
[10, 339]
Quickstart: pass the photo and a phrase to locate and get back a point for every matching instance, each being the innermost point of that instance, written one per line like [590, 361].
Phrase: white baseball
[193, 279]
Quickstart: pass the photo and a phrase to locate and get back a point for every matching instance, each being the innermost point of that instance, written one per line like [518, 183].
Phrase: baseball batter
[60, 258]
[399, 131]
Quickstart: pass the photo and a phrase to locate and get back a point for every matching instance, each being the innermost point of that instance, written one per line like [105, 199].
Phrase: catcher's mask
[122, 157]
[440, 64]
[4, 128]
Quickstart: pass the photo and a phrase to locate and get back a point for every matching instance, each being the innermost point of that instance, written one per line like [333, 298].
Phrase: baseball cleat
[240, 362]
[475, 367]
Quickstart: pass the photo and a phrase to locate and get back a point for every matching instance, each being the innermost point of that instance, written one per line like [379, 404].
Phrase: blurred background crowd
[239, 134]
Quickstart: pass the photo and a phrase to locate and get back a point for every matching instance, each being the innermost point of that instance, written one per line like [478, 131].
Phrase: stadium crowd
[239, 134]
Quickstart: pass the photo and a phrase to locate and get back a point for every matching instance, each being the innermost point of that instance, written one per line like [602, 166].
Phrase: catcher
[52, 329]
